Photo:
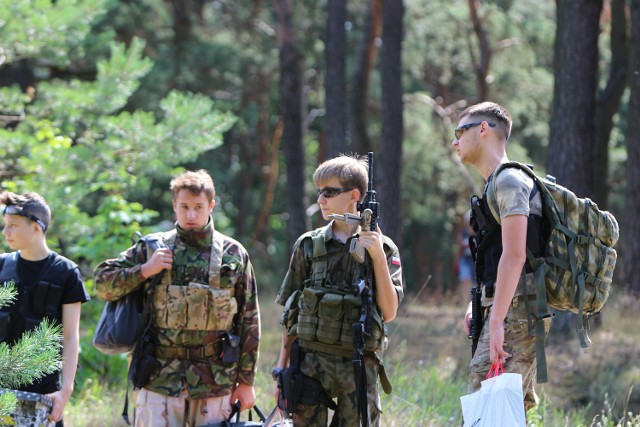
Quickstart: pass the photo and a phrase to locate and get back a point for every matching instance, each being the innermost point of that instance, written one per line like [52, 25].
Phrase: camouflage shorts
[519, 342]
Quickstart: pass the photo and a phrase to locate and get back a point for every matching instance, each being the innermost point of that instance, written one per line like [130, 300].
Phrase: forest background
[101, 101]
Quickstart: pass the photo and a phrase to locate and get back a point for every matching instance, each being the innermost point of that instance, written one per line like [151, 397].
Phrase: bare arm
[70, 350]
[514, 255]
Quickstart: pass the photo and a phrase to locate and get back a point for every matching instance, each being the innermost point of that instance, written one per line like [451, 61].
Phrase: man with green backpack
[537, 246]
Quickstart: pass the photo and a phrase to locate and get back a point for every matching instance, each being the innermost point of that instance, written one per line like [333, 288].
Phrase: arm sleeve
[117, 277]
[250, 324]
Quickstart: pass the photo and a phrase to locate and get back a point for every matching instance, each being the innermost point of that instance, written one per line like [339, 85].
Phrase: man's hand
[496, 342]
[162, 259]
[373, 243]
[467, 320]
[60, 399]
[246, 394]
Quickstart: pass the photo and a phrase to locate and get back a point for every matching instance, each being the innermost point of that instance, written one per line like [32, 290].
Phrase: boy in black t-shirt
[49, 286]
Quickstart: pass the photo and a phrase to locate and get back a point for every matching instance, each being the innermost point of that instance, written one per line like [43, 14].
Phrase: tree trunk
[335, 85]
[632, 234]
[390, 164]
[360, 142]
[181, 35]
[480, 65]
[572, 134]
[292, 134]
[609, 100]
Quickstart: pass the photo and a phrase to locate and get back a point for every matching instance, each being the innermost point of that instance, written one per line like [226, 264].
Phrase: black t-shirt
[73, 291]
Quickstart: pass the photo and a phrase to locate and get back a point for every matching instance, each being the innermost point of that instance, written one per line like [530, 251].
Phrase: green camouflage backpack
[576, 270]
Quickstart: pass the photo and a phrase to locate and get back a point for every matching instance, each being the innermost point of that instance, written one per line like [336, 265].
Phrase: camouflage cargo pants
[337, 377]
[518, 342]
[158, 410]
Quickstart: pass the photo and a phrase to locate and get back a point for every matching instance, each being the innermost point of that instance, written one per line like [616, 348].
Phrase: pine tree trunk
[335, 85]
[572, 134]
[360, 141]
[632, 230]
[292, 134]
[390, 158]
[609, 100]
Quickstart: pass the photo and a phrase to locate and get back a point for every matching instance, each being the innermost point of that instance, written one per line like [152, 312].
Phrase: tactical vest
[486, 244]
[35, 300]
[197, 306]
[327, 310]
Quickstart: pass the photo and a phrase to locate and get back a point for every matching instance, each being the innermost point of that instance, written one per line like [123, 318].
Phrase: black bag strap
[147, 298]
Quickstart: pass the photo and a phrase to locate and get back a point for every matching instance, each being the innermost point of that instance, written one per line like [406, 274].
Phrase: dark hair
[31, 203]
[492, 112]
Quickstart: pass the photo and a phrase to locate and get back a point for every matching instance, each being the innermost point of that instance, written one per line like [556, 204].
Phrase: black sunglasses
[462, 129]
[329, 192]
[17, 210]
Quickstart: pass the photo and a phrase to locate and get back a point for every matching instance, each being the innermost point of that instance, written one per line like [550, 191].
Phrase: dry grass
[429, 353]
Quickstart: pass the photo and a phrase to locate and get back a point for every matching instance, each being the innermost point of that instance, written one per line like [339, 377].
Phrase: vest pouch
[352, 308]
[171, 306]
[45, 299]
[330, 316]
[308, 316]
[31, 322]
[5, 318]
[223, 306]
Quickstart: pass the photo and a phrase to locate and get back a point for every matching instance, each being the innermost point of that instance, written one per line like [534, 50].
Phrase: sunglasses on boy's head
[329, 192]
[462, 129]
[17, 210]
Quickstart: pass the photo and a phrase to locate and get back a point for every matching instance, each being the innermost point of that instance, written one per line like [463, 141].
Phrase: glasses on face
[462, 129]
[17, 210]
[329, 192]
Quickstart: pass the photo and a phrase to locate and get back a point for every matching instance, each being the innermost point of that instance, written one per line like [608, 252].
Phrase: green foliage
[46, 29]
[36, 354]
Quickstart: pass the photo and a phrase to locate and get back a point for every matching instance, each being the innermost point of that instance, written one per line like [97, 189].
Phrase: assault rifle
[368, 220]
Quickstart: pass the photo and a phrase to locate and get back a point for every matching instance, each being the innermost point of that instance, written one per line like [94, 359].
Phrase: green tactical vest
[327, 310]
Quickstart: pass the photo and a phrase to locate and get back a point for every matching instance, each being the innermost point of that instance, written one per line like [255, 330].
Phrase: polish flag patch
[395, 261]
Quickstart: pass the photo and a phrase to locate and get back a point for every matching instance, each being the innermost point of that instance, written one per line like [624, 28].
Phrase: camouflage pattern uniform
[513, 189]
[335, 371]
[191, 357]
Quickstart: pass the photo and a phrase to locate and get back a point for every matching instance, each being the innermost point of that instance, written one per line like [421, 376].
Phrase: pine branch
[35, 355]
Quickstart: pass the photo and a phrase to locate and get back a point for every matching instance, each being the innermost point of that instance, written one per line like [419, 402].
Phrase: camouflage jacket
[202, 376]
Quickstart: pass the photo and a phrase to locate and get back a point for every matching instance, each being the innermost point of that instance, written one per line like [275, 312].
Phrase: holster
[144, 362]
[296, 388]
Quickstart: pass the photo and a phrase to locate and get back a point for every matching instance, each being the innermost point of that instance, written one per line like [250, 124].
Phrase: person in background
[49, 286]
[481, 141]
[206, 327]
[322, 280]
[464, 260]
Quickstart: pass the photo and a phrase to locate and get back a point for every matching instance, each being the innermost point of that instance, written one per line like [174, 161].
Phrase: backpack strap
[319, 263]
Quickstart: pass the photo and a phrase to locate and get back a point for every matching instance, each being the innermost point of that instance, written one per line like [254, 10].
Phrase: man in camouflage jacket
[207, 296]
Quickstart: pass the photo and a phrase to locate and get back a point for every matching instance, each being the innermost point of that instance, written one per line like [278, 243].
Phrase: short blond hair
[350, 169]
[196, 182]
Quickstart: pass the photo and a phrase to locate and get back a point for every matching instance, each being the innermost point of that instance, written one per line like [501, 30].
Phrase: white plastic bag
[498, 403]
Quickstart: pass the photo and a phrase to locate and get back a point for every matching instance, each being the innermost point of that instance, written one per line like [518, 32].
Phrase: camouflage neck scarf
[196, 238]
